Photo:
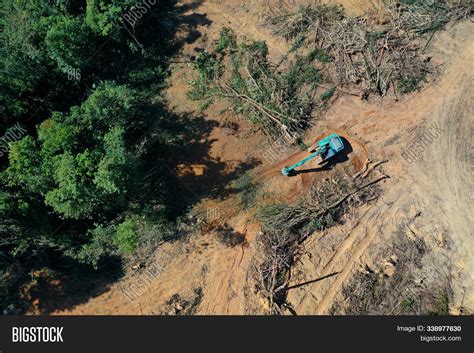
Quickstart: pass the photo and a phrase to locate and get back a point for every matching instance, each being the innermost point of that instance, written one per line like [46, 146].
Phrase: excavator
[324, 149]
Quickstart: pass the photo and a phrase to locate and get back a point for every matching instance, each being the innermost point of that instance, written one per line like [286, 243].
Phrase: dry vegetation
[404, 285]
[278, 98]
[329, 50]
[376, 52]
[285, 227]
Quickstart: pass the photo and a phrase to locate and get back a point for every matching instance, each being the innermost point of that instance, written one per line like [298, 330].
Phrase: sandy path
[451, 166]
[440, 183]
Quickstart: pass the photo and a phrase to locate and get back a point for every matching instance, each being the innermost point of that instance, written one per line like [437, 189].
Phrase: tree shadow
[230, 237]
[173, 30]
[311, 281]
[71, 284]
[188, 171]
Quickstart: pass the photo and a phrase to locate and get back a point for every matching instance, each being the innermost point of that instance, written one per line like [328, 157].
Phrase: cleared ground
[430, 198]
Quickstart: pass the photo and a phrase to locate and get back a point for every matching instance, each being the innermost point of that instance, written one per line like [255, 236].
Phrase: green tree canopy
[80, 163]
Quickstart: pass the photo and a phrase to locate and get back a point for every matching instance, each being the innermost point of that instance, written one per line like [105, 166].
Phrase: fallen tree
[278, 98]
[378, 51]
[286, 227]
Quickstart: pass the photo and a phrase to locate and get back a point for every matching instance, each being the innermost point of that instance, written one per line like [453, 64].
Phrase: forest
[83, 128]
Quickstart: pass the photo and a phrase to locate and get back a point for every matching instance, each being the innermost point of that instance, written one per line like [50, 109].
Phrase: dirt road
[438, 184]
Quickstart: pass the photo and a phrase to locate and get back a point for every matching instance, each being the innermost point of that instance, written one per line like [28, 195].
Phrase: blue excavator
[325, 149]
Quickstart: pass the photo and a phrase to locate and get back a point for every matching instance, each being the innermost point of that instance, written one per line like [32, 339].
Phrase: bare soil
[429, 198]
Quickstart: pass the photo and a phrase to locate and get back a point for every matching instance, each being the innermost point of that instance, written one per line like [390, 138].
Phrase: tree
[80, 164]
[70, 188]
[22, 58]
[103, 16]
[68, 43]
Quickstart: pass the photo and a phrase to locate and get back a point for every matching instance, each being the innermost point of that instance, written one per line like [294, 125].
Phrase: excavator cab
[331, 145]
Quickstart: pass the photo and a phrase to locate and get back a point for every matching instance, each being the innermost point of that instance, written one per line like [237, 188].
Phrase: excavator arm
[327, 148]
[319, 151]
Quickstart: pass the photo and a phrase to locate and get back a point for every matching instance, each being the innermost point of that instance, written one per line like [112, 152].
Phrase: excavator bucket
[285, 172]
